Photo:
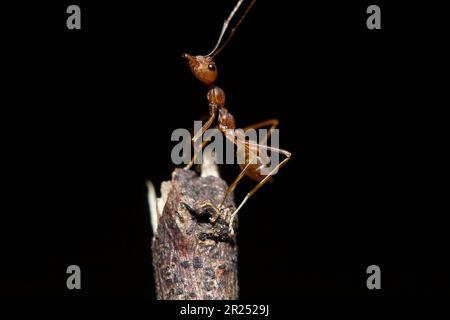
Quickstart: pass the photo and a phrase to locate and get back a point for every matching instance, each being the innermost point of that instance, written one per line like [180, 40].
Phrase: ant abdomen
[255, 170]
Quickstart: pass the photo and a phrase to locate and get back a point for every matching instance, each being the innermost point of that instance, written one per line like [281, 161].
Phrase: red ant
[204, 69]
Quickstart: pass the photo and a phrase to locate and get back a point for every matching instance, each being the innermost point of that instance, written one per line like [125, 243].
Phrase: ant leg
[260, 184]
[196, 153]
[273, 123]
[198, 135]
[235, 182]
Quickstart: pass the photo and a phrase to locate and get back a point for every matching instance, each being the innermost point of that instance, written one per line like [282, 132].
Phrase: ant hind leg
[286, 153]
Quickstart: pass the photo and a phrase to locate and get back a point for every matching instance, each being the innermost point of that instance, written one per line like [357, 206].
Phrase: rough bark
[194, 255]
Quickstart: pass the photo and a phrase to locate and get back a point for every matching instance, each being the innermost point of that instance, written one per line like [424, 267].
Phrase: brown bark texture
[194, 255]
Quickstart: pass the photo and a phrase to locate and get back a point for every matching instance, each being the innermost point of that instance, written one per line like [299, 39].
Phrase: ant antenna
[216, 49]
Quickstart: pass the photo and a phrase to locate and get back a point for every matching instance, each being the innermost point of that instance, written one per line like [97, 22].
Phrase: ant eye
[211, 67]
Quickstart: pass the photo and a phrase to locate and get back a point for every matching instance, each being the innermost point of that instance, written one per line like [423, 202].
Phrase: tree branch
[194, 256]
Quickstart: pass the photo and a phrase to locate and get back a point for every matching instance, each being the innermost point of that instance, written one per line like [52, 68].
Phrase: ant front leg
[196, 153]
[199, 133]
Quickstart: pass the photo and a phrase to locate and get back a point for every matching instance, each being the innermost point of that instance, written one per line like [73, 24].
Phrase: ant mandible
[204, 69]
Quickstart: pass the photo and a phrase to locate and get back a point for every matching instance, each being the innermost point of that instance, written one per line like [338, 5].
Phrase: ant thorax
[216, 97]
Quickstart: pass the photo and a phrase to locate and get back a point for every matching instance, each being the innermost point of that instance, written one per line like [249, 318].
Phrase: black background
[87, 117]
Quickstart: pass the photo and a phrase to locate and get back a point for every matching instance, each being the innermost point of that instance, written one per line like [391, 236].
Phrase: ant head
[203, 68]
